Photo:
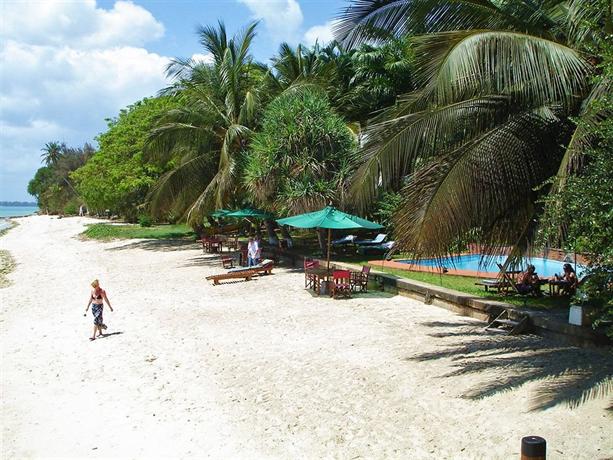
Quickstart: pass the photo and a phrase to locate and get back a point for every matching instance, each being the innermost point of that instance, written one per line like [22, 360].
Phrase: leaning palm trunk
[272, 236]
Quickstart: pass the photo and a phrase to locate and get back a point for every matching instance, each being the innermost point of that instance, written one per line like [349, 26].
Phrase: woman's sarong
[97, 312]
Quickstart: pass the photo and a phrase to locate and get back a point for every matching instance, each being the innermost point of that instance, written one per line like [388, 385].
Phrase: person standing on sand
[97, 298]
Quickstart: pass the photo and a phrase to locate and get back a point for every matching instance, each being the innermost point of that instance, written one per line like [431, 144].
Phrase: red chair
[341, 283]
[359, 280]
[309, 279]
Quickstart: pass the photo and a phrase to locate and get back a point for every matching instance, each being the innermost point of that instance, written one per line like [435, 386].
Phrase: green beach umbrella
[220, 213]
[249, 212]
[330, 218]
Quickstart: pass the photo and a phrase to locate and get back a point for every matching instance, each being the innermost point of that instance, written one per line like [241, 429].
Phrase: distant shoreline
[24, 204]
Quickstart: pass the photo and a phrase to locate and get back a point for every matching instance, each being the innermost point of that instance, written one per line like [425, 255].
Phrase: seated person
[570, 278]
[528, 281]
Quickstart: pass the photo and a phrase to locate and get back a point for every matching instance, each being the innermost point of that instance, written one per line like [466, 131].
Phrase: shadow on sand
[158, 245]
[566, 374]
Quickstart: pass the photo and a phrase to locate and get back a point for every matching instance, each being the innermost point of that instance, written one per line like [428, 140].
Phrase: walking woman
[97, 298]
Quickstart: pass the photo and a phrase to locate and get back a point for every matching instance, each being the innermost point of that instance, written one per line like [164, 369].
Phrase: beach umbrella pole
[329, 244]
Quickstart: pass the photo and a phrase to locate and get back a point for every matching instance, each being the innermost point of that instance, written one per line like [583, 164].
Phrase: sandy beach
[263, 369]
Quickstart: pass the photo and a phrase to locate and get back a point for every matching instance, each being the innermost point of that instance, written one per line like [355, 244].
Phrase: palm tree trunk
[321, 238]
[287, 236]
[272, 236]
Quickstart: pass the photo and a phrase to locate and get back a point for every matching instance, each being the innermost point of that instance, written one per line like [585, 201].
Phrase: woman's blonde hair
[95, 283]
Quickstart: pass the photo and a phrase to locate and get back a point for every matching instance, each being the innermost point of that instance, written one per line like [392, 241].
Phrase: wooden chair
[341, 283]
[309, 279]
[227, 262]
[359, 280]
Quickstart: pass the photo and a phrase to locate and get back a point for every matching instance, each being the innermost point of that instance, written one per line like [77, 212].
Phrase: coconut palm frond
[163, 140]
[193, 174]
[392, 148]
[583, 136]
[486, 185]
[214, 40]
[461, 64]
[370, 20]
[584, 21]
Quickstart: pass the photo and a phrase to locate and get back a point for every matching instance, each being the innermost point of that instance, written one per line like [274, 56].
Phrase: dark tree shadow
[213, 260]
[566, 374]
[158, 245]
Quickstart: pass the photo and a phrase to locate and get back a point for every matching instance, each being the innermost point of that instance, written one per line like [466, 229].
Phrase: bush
[145, 220]
[71, 209]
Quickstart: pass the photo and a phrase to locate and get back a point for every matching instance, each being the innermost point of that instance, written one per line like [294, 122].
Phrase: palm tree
[52, 151]
[501, 84]
[213, 127]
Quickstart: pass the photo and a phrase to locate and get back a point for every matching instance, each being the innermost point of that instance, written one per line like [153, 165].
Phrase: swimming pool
[473, 262]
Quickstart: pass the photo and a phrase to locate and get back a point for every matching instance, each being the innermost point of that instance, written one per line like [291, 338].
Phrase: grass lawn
[109, 232]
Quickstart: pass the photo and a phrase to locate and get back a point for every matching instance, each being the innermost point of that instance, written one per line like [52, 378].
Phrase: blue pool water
[473, 262]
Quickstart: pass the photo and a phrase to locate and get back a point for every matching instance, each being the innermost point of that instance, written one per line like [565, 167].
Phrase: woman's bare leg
[94, 334]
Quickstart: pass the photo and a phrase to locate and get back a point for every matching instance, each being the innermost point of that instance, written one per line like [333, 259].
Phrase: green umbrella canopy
[328, 217]
[249, 212]
[220, 213]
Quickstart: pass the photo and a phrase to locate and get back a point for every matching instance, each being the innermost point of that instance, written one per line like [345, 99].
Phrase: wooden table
[558, 287]
[212, 245]
[319, 275]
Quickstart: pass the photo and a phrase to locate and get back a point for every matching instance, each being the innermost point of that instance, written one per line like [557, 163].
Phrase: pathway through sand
[262, 369]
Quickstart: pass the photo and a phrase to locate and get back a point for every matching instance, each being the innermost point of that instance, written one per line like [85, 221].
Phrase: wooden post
[329, 243]
[533, 448]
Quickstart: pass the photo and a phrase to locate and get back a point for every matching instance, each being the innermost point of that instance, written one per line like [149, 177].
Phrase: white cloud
[321, 34]
[81, 24]
[66, 66]
[204, 58]
[283, 18]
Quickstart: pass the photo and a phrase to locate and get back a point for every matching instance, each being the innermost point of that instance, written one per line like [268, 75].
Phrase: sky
[66, 66]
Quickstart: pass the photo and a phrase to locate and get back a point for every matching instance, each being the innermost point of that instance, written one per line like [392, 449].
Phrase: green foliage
[386, 207]
[71, 208]
[51, 184]
[117, 177]
[302, 156]
[108, 232]
[145, 220]
[580, 214]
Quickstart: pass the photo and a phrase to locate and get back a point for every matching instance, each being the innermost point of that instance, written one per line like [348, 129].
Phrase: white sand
[258, 369]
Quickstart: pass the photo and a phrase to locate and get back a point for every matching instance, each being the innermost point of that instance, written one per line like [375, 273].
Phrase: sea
[14, 211]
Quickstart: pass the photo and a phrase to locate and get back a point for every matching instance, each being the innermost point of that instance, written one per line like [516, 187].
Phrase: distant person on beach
[97, 298]
[81, 211]
[253, 252]
[528, 282]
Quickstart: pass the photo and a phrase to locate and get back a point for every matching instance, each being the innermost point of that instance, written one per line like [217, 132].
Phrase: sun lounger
[246, 273]
[501, 286]
[376, 248]
[349, 239]
[379, 239]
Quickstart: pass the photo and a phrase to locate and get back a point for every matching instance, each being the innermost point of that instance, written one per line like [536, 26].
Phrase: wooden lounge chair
[359, 280]
[263, 268]
[341, 283]
[535, 291]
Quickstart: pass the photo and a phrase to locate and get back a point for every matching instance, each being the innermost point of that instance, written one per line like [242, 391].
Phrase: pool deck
[435, 270]
[547, 323]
